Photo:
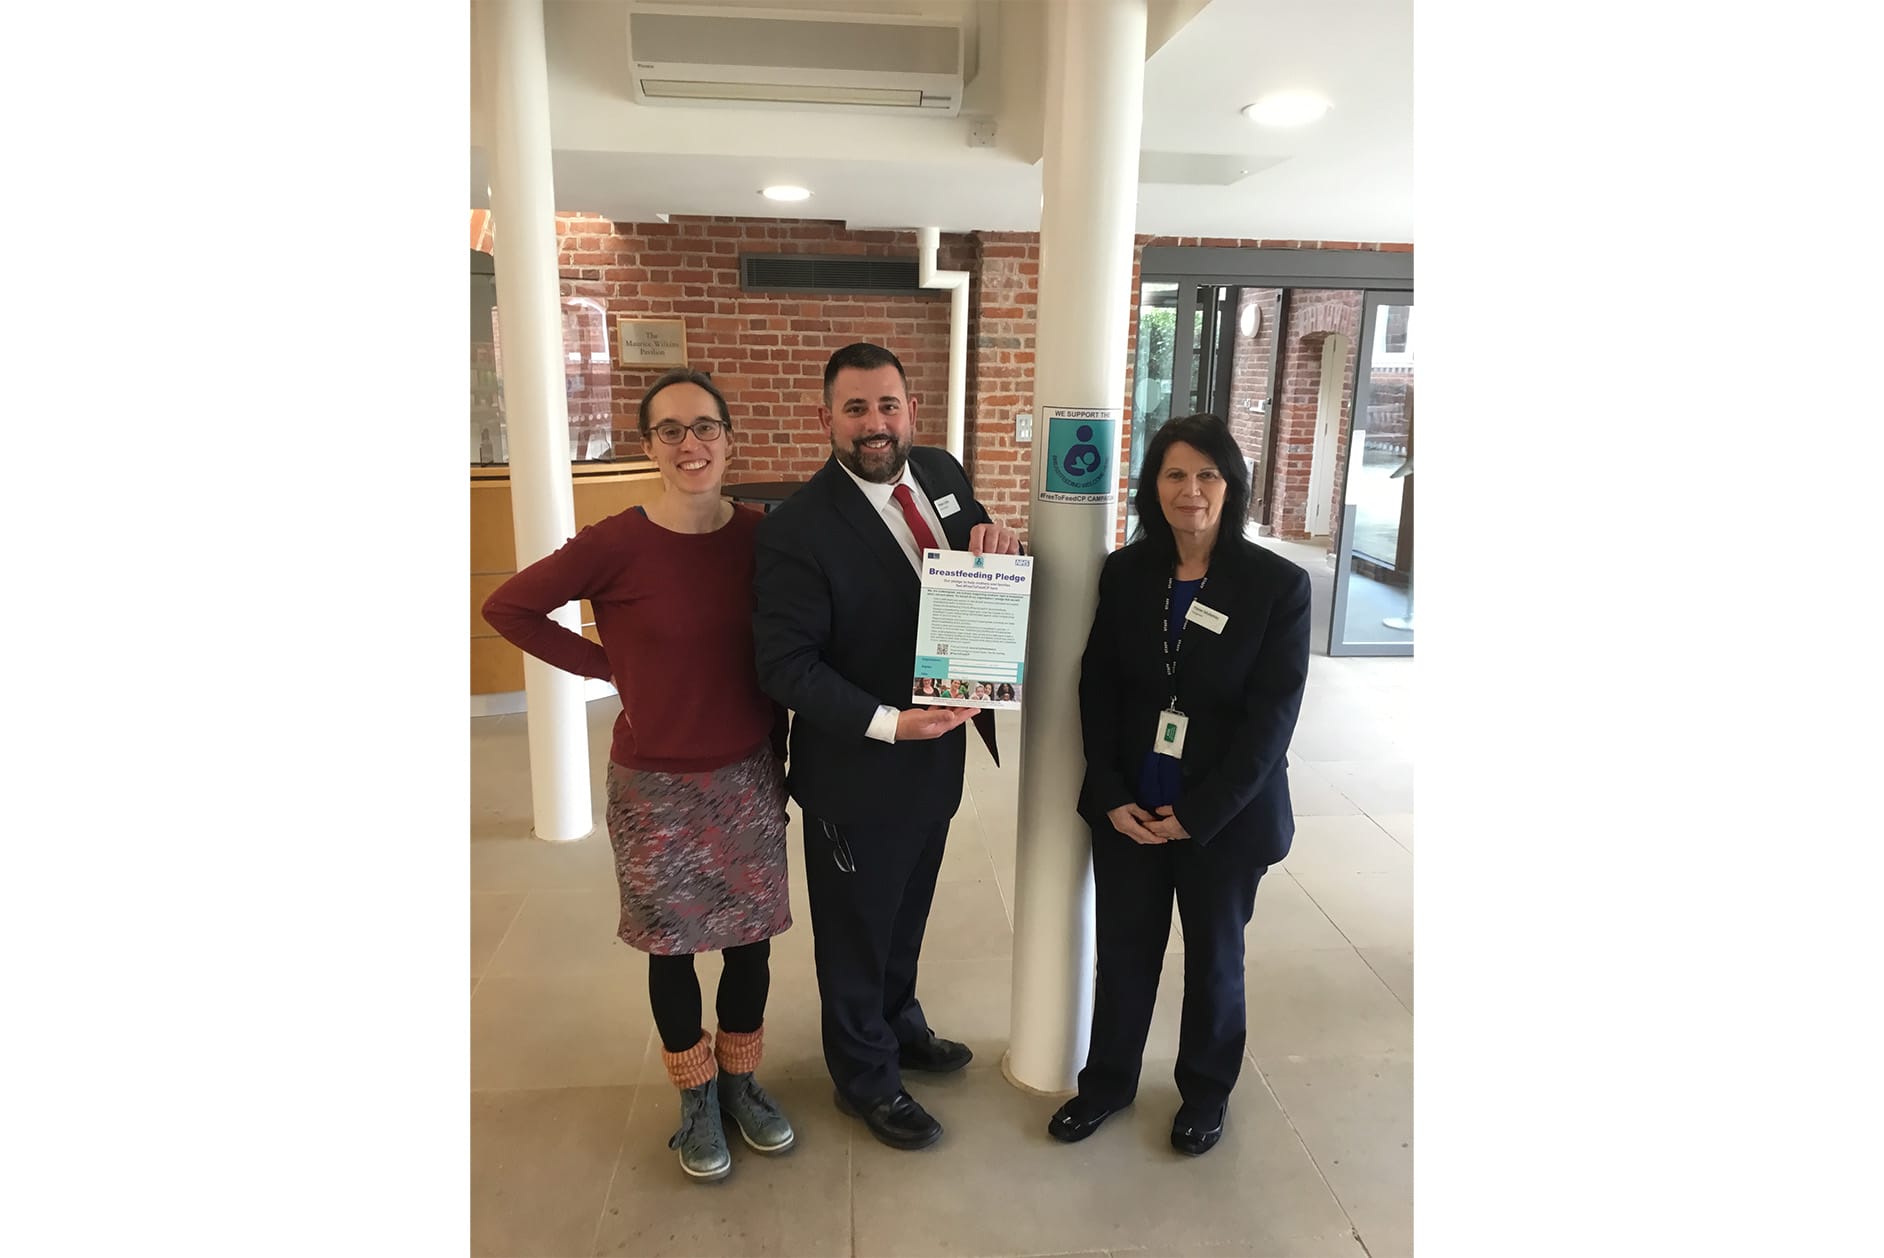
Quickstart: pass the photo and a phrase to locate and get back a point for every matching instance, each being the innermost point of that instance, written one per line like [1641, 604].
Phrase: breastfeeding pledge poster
[971, 629]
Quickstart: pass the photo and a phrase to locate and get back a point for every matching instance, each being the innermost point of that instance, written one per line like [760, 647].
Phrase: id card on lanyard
[1172, 723]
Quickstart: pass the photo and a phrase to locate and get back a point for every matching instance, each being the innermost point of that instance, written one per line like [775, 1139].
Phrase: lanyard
[1164, 634]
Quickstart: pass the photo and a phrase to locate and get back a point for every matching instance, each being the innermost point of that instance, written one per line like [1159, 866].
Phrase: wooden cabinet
[600, 490]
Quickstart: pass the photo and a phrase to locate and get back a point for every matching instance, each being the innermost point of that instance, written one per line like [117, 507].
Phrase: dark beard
[876, 471]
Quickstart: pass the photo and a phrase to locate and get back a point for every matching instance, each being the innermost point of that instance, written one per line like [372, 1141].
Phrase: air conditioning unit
[748, 58]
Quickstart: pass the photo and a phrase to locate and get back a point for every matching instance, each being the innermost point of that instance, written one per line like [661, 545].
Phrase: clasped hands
[1149, 828]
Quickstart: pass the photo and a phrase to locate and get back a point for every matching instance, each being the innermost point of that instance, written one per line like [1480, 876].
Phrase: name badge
[946, 506]
[1209, 617]
[1170, 739]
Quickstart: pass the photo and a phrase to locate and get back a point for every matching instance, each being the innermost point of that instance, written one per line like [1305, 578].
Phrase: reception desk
[601, 490]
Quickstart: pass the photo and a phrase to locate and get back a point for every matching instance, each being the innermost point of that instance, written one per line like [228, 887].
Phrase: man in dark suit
[877, 779]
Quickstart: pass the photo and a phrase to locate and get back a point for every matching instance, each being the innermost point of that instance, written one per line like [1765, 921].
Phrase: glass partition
[1373, 604]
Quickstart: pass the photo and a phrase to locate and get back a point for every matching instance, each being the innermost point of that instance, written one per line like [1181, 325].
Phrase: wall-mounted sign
[1081, 443]
[650, 342]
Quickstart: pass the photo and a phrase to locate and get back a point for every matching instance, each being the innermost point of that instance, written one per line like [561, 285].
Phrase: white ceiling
[1347, 177]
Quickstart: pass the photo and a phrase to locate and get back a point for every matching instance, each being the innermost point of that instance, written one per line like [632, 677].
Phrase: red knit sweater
[674, 611]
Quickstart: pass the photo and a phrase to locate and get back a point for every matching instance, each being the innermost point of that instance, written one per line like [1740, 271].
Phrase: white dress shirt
[882, 497]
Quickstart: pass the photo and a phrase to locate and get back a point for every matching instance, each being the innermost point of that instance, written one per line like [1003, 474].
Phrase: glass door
[1152, 375]
[1373, 586]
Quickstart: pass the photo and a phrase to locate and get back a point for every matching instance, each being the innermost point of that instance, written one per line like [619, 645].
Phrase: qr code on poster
[941, 648]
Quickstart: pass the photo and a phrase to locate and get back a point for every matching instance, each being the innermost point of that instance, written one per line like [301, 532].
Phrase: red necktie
[918, 527]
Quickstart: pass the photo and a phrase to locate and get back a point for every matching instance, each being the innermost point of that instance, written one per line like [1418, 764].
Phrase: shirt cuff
[883, 725]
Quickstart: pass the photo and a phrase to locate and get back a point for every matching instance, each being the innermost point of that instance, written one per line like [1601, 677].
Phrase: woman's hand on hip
[1129, 820]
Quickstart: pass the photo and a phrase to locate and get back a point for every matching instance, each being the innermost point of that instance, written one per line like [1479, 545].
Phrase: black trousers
[674, 991]
[1134, 884]
[870, 887]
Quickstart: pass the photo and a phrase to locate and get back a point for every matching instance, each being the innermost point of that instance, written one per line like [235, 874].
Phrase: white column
[529, 306]
[1094, 110]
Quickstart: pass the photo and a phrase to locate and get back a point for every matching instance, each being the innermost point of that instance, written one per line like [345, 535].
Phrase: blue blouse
[1160, 777]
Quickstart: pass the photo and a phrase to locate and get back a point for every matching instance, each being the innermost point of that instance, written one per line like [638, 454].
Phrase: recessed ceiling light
[1286, 109]
[785, 192]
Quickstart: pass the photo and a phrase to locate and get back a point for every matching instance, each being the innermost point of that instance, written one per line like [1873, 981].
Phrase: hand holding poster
[971, 629]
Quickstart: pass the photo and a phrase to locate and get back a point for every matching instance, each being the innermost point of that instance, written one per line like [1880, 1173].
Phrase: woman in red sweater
[696, 787]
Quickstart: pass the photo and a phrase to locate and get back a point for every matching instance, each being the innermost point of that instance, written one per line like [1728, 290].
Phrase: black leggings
[675, 992]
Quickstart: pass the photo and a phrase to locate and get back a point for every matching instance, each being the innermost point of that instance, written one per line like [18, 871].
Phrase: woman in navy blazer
[1188, 694]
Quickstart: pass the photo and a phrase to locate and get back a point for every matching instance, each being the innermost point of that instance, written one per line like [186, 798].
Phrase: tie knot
[902, 495]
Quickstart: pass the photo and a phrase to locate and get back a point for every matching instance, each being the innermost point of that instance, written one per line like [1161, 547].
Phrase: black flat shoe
[1195, 1132]
[1077, 1119]
[895, 1120]
[936, 1055]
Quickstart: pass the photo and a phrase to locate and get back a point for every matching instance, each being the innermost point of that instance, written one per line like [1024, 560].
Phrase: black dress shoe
[935, 1055]
[895, 1120]
[1077, 1119]
[1196, 1131]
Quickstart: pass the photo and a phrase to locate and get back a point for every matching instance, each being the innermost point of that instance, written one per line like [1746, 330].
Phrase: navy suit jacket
[834, 630]
[1241, 689]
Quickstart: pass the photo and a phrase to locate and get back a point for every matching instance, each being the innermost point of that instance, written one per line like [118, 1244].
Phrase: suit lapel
[955, 528]
[855, 510]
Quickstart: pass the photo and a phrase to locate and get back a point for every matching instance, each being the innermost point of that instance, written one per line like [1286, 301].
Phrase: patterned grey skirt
[700, 857]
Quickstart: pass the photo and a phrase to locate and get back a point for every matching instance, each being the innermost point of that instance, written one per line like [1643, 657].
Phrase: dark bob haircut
[683, 375]
[864, 357]
[1211, 437]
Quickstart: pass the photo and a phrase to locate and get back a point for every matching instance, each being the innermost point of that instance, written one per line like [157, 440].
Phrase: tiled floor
[570, 1111]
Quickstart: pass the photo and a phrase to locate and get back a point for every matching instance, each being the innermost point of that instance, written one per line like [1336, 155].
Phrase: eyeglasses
[674, 434]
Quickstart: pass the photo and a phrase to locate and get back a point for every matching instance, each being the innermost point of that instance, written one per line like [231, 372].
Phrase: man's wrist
[883, 725]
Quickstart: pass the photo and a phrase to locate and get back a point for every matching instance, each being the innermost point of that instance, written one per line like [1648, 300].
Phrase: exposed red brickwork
[1314, 314]
[767, 351]
[1002, 303]
[1249, 376]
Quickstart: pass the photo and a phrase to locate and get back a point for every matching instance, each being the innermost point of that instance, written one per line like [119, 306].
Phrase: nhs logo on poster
[1082, 446]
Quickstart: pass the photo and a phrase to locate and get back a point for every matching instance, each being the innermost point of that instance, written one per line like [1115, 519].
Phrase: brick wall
[1003, 301]
[1313, 316]
[1249, 376]
[767, 351]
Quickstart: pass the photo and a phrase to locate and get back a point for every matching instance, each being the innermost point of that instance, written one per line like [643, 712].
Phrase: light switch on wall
[1023, 426]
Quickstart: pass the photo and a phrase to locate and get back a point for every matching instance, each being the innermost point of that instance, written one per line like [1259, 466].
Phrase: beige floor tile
[1311, 794]
[793, 1204]
[968, 920]
[1395, 967]
[1122, 1189]
[1359, 734]
[1322, 1002]
[1285, 917]
[492, 912]
[563, 932]
[1399, 825]
[968, 1001]
[1355, 1114]
[541, 1163]
[1372, 909]
[1375, 785]
[587, 1029]
[965, 857]
[1344, 845]
[526, 864]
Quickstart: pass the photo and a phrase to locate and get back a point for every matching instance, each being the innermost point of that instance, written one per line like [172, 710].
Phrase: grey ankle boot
[701, 1138]
[756, 1114]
